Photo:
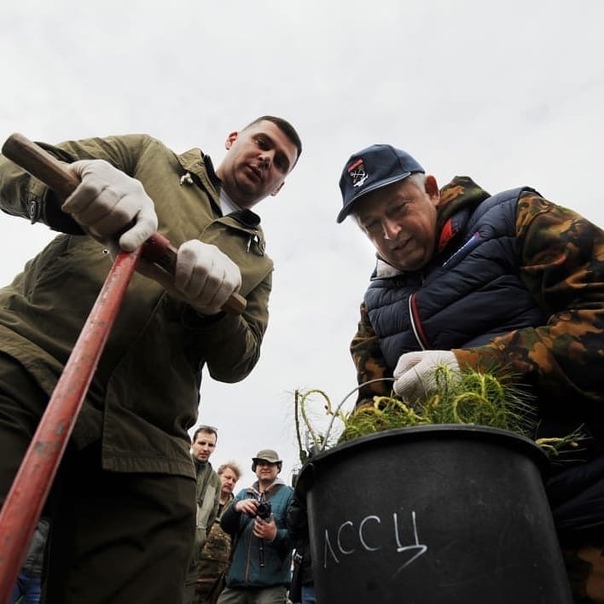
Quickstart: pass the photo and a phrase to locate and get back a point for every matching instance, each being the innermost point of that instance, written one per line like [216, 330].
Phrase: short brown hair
[208, 429]
[285, 127]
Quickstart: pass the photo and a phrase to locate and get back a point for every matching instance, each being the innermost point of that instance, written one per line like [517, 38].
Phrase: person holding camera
[260, 570]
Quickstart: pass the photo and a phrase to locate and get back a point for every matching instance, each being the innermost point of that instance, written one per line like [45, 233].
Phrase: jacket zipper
[416, 324]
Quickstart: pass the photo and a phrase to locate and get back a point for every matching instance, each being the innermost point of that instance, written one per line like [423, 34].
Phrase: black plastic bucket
[446, 514]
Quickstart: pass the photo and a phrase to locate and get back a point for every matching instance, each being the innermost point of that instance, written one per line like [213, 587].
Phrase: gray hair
[233, 466]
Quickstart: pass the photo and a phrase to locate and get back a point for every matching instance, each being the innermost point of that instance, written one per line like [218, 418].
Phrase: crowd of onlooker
[250, 544]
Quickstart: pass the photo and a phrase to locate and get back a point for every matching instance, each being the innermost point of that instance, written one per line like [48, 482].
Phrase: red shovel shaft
[29, 491]
[25, 500]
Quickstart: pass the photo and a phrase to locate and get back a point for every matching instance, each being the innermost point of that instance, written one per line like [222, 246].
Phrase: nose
[266, 158]
[391, 228]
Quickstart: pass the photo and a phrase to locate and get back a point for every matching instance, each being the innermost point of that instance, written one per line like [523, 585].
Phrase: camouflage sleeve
[369, 361]
[561, 258]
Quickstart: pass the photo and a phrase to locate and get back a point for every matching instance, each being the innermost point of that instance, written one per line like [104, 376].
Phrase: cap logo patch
[357, 173]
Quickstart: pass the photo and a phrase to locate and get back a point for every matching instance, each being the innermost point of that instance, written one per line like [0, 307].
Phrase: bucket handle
[335, 413]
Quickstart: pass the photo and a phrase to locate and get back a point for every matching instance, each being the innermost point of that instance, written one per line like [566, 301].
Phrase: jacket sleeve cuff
[44, 206]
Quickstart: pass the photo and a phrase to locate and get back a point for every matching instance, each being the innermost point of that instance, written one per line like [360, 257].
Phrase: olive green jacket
[207, 493]
[145, 392]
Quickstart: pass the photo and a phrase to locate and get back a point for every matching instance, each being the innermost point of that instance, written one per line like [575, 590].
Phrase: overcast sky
[509, 93]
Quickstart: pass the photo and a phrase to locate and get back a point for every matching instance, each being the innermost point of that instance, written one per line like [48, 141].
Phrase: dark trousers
[115, 538]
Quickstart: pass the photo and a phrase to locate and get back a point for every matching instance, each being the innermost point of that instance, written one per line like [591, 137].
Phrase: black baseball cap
[371, 169]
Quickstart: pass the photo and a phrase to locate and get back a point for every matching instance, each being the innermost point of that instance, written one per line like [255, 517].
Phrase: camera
[264, 508]
[263, 511]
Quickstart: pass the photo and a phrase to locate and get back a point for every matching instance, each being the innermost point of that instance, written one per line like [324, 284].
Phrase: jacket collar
[278, 482]
[458, 199]
[201, 167]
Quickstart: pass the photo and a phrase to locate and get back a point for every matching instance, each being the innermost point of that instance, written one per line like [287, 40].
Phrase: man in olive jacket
[207, 496]
[123, 502]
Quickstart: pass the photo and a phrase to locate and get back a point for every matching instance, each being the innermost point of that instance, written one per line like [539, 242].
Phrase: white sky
[509, 93]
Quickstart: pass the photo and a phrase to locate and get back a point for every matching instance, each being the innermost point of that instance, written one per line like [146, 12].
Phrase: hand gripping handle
[45, 167]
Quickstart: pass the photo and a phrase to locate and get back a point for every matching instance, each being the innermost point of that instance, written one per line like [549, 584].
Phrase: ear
[231, 138]
[432, 188]
[278, 189]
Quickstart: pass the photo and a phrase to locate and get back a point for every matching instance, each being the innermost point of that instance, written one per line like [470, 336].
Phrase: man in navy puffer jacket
[472, 280]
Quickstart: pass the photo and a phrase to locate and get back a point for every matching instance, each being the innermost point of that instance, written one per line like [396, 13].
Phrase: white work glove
[204, 277]
[109, 204]
[414, 373]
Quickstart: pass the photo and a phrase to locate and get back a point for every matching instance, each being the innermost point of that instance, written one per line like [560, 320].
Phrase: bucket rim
[514, 440]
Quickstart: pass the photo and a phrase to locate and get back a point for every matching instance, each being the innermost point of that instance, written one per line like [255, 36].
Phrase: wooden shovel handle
[45, 167]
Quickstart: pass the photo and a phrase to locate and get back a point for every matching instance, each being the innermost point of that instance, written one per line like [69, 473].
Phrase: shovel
[25, 500]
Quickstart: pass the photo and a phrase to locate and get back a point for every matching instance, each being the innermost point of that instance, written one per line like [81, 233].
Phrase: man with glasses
[260, 571]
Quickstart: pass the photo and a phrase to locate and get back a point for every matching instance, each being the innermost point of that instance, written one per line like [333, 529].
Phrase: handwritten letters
[372, 534]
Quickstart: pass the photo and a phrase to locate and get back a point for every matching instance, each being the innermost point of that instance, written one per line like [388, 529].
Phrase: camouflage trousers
[203, 589]
[585, 568]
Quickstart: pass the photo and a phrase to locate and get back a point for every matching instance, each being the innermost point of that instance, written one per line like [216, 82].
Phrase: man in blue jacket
[260, 570]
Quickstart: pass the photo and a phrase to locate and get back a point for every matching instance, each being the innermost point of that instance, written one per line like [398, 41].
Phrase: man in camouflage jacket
[471, 280]
[216, 552]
